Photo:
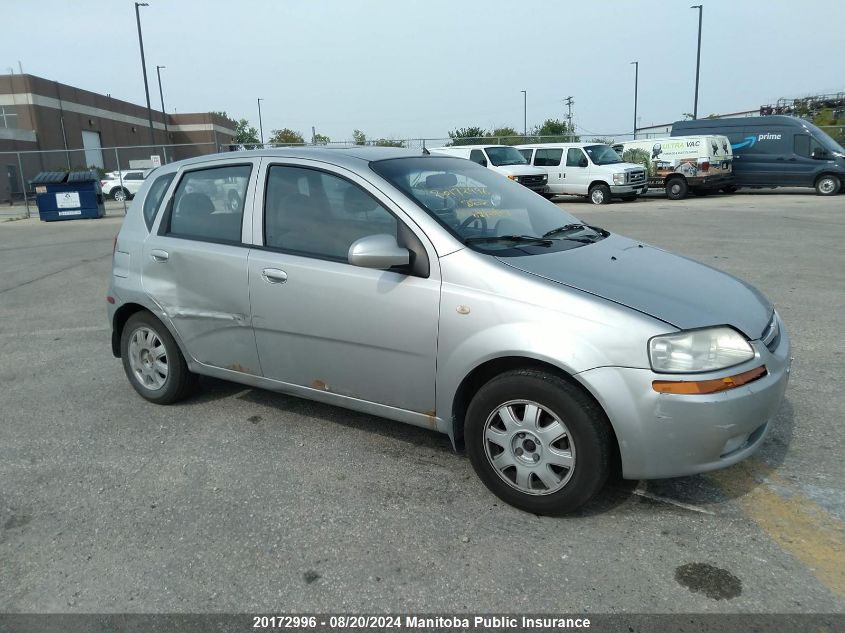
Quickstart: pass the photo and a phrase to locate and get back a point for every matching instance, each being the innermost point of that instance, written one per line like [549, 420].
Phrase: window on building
[8, 117]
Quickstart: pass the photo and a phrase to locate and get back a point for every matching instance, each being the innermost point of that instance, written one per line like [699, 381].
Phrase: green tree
[602, 139]
[359, 137]
[556, 131]
[826, 118]
[245, 135]
[467, 135]
[506, 135]
[286, 136]
[321, 139]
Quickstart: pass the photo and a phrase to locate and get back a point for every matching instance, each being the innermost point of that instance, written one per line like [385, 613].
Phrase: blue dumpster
[68, 196]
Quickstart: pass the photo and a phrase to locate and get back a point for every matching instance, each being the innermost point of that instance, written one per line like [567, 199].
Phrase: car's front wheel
[152, 360]
[538, 442]
[119, 193]
[599, 194]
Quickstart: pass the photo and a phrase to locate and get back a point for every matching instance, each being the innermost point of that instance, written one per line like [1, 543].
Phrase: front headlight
[545, 177]
[698, 351]
[515, 178]
[618, 179]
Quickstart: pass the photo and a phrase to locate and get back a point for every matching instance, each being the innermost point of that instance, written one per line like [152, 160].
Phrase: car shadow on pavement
[694, 490]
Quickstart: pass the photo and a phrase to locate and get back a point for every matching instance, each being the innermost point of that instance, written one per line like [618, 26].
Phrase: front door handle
[274, 276]
[159, 255]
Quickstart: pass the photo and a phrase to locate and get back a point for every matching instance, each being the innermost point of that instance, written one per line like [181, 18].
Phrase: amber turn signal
[708, 386]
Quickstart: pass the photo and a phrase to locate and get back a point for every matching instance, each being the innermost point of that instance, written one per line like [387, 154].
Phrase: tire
[629, 197]
[533, 475]
[599, 194]
[828, 185]
[142, 337]
[120, 194]
[676, 188]
[730, 189]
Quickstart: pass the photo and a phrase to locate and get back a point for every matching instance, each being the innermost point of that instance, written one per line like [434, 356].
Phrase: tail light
[705, 166]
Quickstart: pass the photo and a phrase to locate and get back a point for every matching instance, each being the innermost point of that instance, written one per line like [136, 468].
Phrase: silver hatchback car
[430, 290]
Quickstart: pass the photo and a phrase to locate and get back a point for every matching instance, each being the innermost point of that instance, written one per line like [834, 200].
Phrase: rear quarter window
[154, 197]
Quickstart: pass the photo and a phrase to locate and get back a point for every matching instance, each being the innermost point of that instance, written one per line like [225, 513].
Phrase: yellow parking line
[800, 526]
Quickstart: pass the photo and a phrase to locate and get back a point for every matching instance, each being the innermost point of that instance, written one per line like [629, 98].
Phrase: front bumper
[667, 435]
[625, 190]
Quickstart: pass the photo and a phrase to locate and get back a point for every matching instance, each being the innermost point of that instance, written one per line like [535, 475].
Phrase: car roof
[554, 145]
[344, 156]
[458, 147]
[739, 122]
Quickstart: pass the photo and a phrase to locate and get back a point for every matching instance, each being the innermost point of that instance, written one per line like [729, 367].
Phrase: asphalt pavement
[245, 500]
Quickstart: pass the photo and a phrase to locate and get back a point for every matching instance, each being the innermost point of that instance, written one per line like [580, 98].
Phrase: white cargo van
[702, 164]
[501, 158]
[586, 169]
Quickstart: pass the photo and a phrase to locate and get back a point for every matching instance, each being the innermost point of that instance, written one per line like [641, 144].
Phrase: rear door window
[548, 157]
[208, 204]
[154, 197]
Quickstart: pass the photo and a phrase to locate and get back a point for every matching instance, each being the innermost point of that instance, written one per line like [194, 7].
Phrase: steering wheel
[474, 219]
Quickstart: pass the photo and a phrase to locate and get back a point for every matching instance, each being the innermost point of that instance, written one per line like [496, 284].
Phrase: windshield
[505, 156]
[602, 154]
[824, 139]
[486, 212]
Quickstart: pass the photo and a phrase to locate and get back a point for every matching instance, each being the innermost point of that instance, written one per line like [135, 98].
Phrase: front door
[324, 324]
[576, 174]
[194, 266]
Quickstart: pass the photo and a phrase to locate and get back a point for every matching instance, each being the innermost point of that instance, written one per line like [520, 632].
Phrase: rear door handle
[274, 275]
[159, 255]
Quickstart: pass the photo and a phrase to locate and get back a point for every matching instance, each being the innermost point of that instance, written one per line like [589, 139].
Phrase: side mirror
[583, 162]
[378, 251]
[819, 154]
[482, 162]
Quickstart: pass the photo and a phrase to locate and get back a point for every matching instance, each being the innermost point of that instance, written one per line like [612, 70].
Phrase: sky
[417, 69]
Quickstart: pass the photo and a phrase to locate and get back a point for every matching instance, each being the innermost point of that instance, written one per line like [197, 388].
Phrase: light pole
[163, 113]
[260, 125]
[697, 59]
[144, 68]
[524, 113]
[636, 81]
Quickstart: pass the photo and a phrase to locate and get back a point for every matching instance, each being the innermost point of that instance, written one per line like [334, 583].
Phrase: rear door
[324, 324]
[194, 264]
[550, 160]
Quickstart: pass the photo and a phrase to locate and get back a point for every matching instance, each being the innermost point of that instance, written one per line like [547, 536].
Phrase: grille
[531, 181]
[636, 176]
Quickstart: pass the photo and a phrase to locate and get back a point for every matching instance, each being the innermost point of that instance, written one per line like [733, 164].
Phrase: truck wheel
[828, 185]
[600, 194]
[676, 188]
[538, 442]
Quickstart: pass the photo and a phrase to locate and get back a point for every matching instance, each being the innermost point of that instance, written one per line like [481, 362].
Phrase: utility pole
[569, 101]
[697, 59]
[636, 81]
[144, 68]
[524, 113]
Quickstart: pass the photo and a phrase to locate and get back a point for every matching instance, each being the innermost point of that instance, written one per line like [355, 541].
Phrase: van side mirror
[483, 162]
[378, 251]
[819, 154]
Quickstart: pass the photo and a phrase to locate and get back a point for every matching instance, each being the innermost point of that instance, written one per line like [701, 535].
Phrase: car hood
[677, 290]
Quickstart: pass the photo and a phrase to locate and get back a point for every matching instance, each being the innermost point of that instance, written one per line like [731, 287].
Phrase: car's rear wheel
[152, 360]
[676, 188]
[538, 442]
[120, 194]
[828, 185]
[600, 194]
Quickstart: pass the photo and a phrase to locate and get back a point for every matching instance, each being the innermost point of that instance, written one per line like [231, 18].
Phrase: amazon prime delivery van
[777, 151]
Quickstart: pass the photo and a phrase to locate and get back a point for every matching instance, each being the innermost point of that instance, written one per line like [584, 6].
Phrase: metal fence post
[23, 185]
[120, 176]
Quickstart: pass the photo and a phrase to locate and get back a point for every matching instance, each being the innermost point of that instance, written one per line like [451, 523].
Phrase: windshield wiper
[569, 228]
[543, 241]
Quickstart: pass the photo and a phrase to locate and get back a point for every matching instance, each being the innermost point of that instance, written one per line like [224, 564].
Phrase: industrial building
[47, 125]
